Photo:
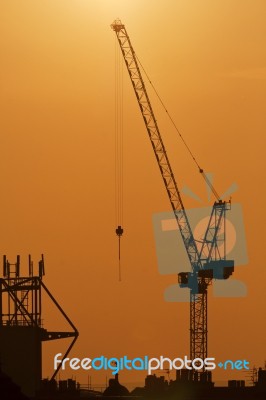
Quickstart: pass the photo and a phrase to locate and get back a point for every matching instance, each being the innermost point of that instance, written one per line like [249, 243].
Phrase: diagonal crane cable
[208, 182]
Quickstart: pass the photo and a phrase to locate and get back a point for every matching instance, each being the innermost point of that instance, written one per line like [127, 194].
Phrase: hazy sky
[207, 59]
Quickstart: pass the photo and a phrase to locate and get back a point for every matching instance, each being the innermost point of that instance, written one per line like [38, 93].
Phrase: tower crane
[208, 261]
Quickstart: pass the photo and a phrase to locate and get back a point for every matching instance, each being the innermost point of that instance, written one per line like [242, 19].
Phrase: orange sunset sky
[207, 59]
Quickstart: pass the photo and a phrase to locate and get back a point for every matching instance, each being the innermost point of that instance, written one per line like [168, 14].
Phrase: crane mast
[202, 261]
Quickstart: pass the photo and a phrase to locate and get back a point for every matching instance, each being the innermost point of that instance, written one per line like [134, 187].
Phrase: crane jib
[157, 144]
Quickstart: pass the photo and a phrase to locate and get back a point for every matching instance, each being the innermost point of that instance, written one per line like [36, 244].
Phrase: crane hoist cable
[208, 182]
[118, 151]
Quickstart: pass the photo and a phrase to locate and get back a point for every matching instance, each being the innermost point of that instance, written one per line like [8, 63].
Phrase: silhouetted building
[115, 388]
[20, 353]
[8, 389]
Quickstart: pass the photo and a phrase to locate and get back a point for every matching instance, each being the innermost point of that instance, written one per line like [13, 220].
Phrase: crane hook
[119, 231]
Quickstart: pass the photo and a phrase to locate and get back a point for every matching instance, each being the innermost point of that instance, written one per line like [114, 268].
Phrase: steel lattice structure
[21, 304]
[208, 262]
